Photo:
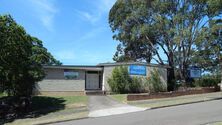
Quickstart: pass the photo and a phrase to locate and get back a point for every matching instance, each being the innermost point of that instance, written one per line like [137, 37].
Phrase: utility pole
[220, 37]
[221, 68]
[221, 72]
[220, 58]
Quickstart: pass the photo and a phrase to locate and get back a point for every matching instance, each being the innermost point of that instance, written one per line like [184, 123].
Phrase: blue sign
[195, 73]
[137, 70]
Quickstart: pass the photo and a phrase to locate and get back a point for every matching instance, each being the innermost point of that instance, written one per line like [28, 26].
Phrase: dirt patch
[189, 91]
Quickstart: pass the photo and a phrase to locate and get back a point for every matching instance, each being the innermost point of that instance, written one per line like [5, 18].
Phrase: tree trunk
[171, 79]
[171, 74]
[185, 74]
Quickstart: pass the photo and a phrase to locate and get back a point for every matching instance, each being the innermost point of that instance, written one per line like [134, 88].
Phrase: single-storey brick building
[75, 79]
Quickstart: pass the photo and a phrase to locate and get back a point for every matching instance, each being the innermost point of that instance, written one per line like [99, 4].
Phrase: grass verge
[69, 101]
[216, 123]
[48, 109]
[2, 95]
[119, 97]
[52, 118]
[155, 103]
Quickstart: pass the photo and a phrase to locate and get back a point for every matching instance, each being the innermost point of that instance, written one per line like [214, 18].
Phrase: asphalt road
[190, 114]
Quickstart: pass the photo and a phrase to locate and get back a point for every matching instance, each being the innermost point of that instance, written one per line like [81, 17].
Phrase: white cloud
[100, 7]
[45, 10]
[88, 16]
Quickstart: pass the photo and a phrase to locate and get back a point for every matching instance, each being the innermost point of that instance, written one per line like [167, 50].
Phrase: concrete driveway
[105, 106]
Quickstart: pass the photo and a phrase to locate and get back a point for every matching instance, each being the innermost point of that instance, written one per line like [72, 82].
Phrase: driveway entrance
[105, 106]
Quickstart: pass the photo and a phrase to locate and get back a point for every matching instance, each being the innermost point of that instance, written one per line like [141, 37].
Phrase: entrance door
[92, 81]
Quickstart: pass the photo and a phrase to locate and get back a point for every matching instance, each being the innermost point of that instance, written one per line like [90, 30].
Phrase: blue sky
[74, 31]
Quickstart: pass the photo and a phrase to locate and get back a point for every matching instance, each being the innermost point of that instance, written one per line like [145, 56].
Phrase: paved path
[105, 106]
[102, 102]
[191, 114]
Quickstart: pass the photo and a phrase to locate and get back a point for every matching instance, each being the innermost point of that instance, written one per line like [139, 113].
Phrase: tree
[120, 80]
[210, 48]
[21, 59]
[171, 27]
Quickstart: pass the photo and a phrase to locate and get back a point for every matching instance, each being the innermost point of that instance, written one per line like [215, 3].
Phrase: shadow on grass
[39, 106]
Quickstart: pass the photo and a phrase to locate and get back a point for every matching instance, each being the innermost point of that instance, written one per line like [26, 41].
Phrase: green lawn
[155, 103]
[47, 109]
[217, 123]
[119, 97]
[58, 102]
[2, 95]
[74, 99]
[67, 99]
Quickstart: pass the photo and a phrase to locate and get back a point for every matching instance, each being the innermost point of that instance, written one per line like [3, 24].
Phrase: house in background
[80, 79]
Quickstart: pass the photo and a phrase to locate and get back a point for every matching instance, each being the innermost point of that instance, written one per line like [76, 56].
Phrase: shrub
[156, 85]
[135, 86]
[121, 82]
[120, 79]
[207, 81]
[147, 86]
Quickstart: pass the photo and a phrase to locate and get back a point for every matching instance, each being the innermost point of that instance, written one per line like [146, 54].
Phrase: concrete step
[95, 92]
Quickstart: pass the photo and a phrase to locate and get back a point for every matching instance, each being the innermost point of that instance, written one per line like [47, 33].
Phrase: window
[71, 74]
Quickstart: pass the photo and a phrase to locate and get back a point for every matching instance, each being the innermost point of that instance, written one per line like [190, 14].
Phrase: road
[190, 114]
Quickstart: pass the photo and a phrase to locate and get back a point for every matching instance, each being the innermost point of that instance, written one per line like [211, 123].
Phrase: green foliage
[3, 94]
[176, 28]
[121, 82]
[209, 53]
[207, 81]
[21, 59]
[119, 57]
[153, 83]
[120, 79]
[136, 85]
[156, 82]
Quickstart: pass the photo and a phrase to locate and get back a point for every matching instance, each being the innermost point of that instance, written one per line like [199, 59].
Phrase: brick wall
[55, 81]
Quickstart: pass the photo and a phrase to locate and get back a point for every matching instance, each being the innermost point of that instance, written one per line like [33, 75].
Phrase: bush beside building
[122, 82]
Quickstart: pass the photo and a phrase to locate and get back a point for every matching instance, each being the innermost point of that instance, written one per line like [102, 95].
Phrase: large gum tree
[163, 29]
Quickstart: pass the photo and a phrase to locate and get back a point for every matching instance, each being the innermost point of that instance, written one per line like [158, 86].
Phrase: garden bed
[188, 91]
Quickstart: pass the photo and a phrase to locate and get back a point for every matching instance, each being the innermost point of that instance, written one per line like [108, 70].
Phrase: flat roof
[78, 67]
[100, 66]
[133, 63]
